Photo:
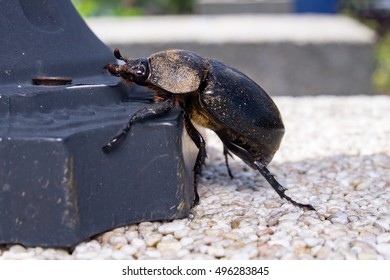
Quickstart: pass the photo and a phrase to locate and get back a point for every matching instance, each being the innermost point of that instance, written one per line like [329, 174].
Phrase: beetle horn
[118, 55]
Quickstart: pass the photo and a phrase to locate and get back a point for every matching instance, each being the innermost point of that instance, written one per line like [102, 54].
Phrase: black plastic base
[57, 109]
[57, 186]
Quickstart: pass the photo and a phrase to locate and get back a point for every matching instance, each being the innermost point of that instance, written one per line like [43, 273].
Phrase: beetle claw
[278, 187]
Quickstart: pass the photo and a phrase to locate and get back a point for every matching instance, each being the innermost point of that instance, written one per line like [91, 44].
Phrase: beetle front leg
[278, 187]
[148, 111]
[197, 138]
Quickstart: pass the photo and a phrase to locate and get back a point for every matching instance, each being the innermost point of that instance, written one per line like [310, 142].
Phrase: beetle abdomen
[245, 110]
[176, 71]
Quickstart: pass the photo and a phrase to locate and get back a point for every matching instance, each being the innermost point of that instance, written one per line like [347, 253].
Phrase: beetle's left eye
[140, 70]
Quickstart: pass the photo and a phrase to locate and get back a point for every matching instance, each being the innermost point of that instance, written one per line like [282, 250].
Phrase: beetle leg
[198, 139]
[278, 187]
[226, 153]
[148, 111]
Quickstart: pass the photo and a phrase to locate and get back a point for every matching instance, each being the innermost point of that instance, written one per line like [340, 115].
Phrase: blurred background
[291, 47]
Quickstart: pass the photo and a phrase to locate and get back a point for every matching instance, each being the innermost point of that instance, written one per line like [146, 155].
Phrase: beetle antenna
[278, 187]
[118, 55]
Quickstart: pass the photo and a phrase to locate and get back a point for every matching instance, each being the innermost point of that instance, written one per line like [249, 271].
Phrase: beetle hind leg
[278, 187]
[200, 143]
[226, 153]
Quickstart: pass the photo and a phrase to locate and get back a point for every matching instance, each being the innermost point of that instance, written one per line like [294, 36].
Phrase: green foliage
[381, 77]
[88, 8]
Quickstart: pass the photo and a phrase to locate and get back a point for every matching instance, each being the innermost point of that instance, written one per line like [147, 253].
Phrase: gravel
[335, 155]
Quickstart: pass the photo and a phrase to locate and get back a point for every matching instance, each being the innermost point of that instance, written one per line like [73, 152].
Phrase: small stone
[16, 249]
[383, 238]
[171, 227]
[235, 223]
[349, 255]
[282, 242]
[239, 211]
[186, 241]
[152, 254]
[194, 225]
[367, 237]
[139, 244]
[130, 235]
[229, 235]
[336, 234]
[384, 249]
[128, 250]
[367, 255]
[106, 236]
[169, 245]
[383, 224]
[120, 230]
[119, 255]
[314, 250]
[213, 232]
[291, 216]
[266, 231]
[216, 251]
[313, 241]
[179, 234]
[87, 255]
[152, 239]
[339, 217]
[118, 240]
[182, 253]
[145, 228]
[238, 256]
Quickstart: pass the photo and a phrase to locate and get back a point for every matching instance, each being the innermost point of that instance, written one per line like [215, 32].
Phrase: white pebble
[152, 254]
[152, 239]
[383, 224]
[171, 227]
[367, 255]
[106, 236]
[131, 234]
[312, 241]
[339, 217]
[169, 245]
[118, 240]
[384, 249]
[179, 234]
[119, 255]
[383, 238]
[186, 241]
[282, 242]
[17, 249]
[323, 253]
[139, 244]
[216, 251]
[128, 249]
[183, 253]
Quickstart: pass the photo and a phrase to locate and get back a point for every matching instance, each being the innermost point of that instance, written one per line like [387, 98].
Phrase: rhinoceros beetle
[213, 95]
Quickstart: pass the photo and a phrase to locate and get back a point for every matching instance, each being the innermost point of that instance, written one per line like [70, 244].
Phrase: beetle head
[134, 70]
